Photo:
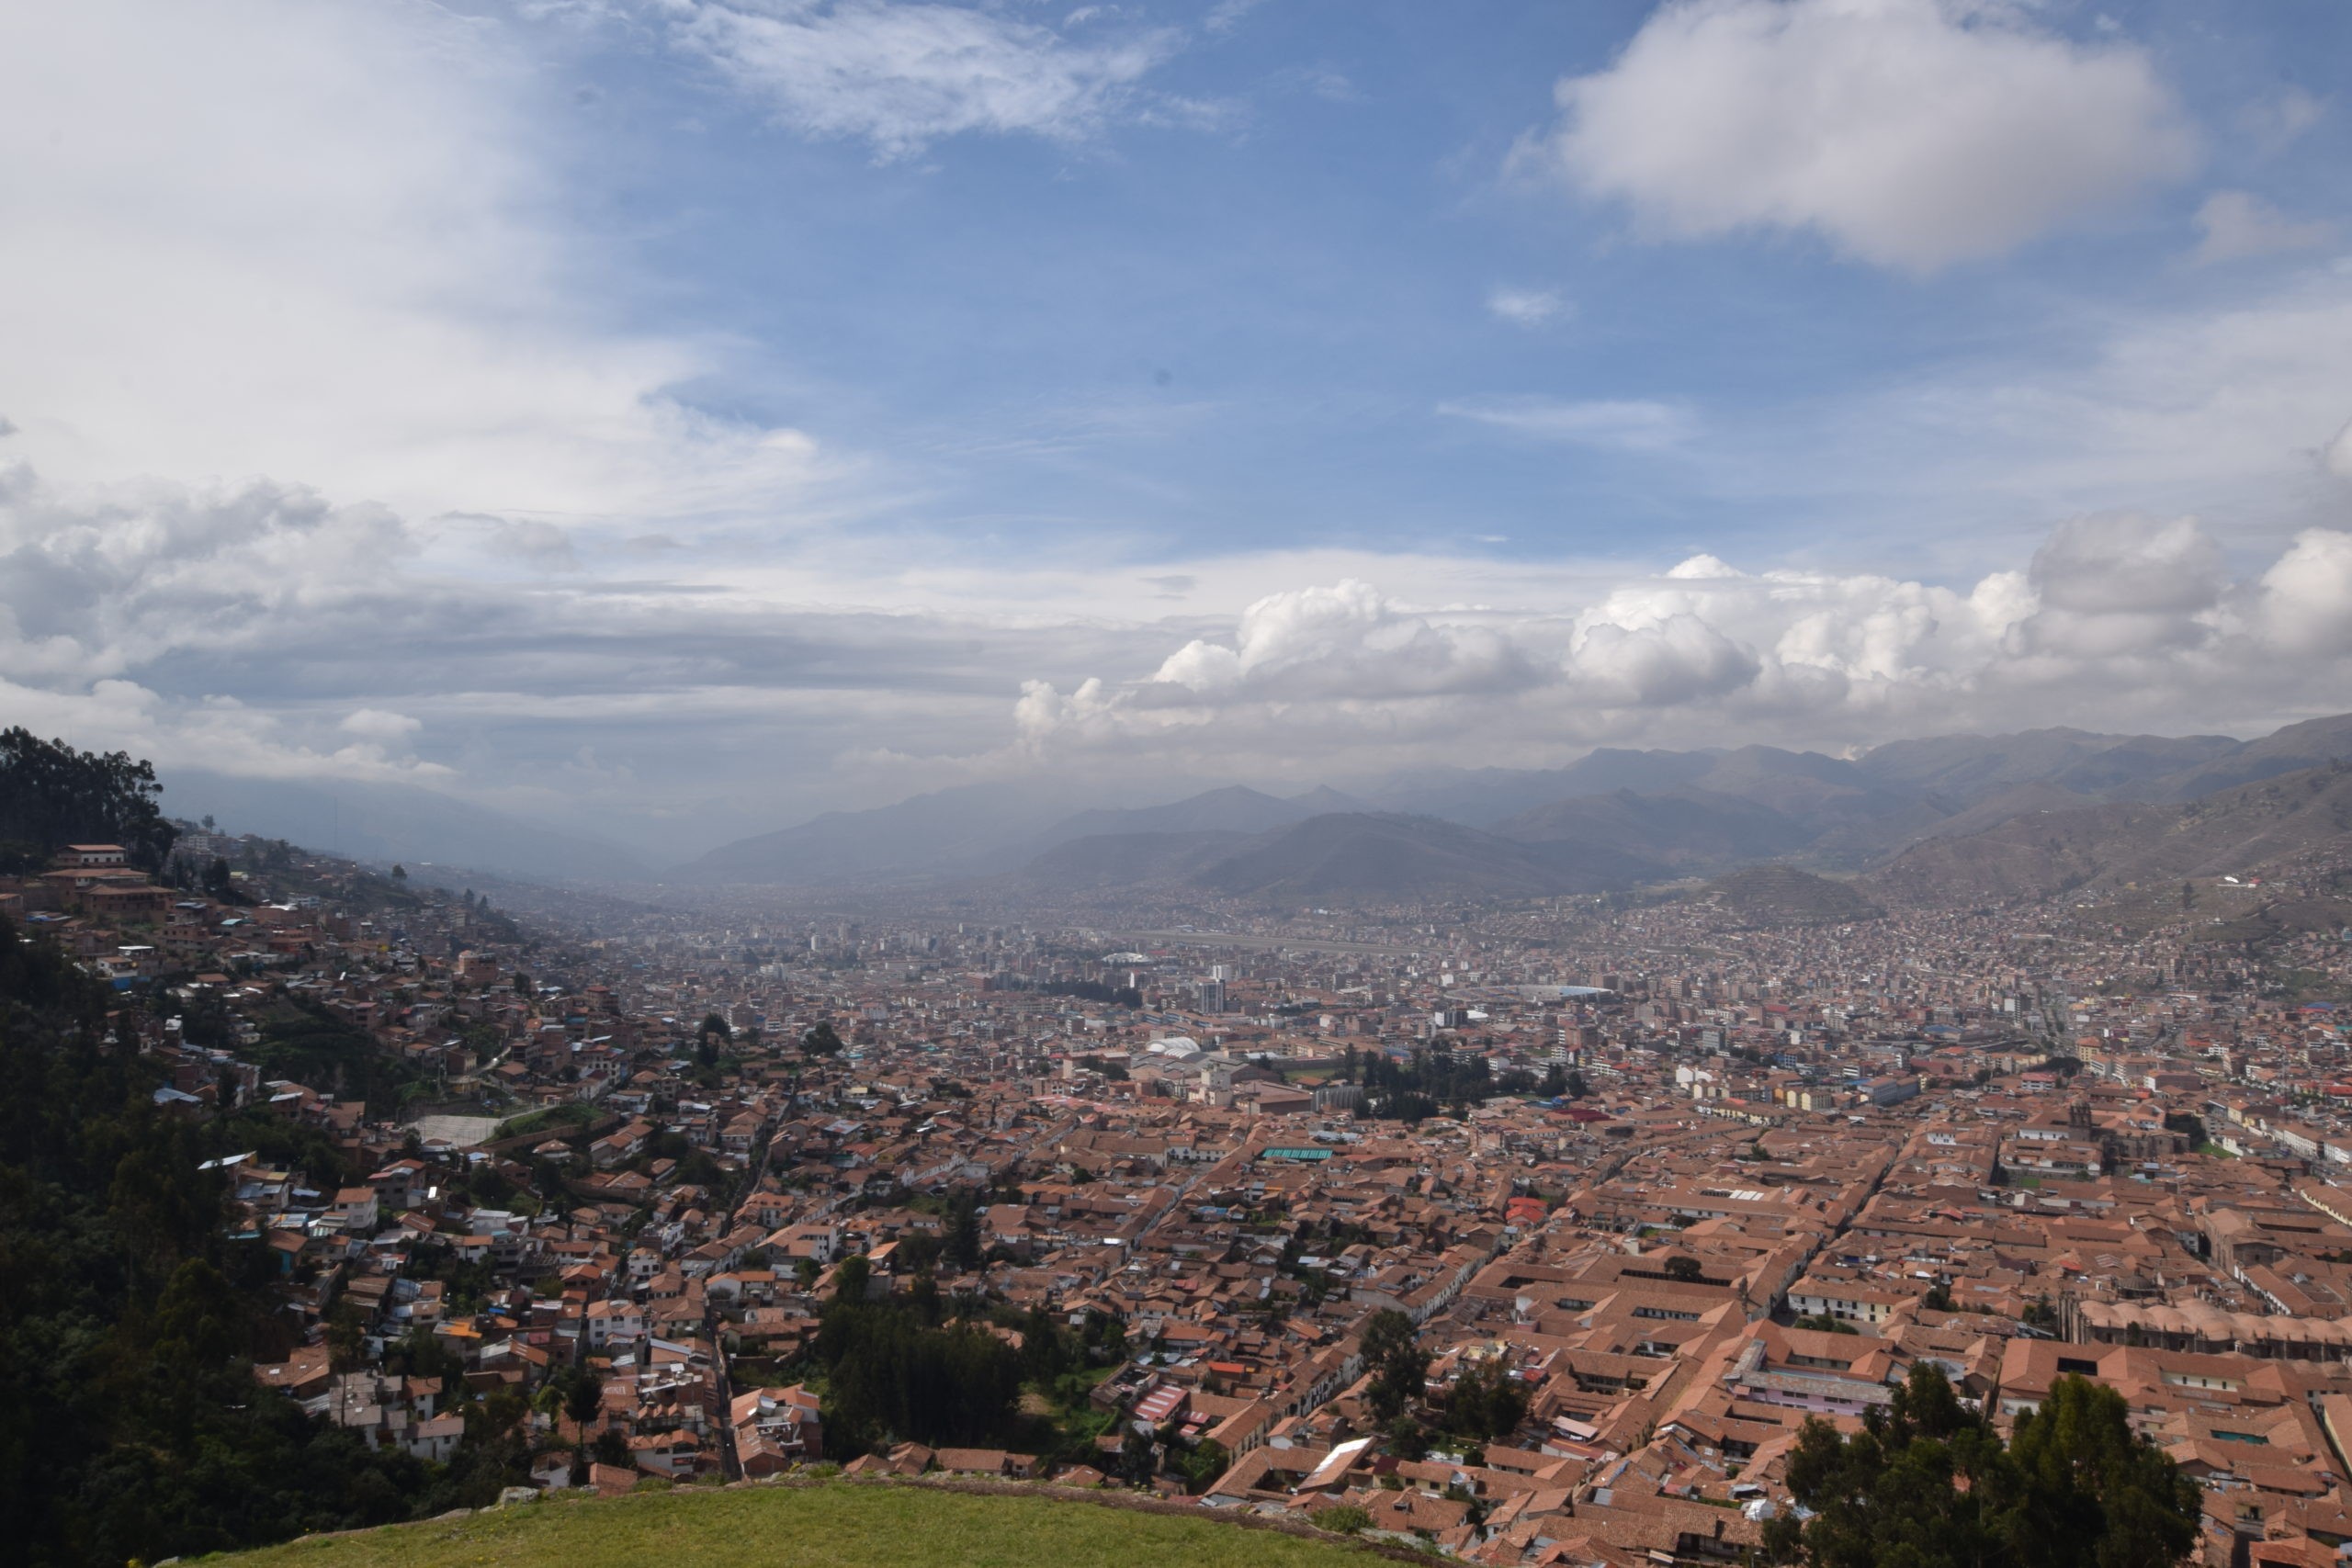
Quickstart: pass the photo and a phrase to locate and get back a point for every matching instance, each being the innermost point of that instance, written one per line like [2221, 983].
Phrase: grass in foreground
[838, 1526]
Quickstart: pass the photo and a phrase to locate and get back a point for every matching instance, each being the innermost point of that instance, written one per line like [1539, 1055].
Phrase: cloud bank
[2115, 620]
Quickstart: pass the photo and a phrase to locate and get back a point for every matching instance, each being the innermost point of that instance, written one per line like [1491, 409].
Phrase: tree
[584, 1397]
[52, 796]
[347, 1336]
[1485, 1401]
[1682, 1268]
[963, 1243]
[1398, 1365]
[891, 1375]
[823, 1040]
[1200, 1466]
[1926, 1483]
[918, 1252]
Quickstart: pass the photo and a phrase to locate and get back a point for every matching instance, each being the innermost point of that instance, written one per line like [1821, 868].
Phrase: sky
[670, 419]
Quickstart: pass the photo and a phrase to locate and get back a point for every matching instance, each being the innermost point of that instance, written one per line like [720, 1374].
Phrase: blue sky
[1186, 335]
[672, 417]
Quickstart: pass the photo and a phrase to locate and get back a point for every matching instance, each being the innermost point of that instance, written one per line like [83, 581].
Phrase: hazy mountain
[969, 830]
[2036, 855]
[1611, 818]
[1323, 799]
[1354, 856]
[2305, 745]
[2020, 800]
[1234, 809]
[394, 822]
[1682, 831]
[1126, 860]
[1817, 793]
[1782, 894]
[1481, 797]
[2141, 763]
[1963, 769]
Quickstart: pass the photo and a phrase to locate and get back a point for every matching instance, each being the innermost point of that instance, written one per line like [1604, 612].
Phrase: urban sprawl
[1532, 1236]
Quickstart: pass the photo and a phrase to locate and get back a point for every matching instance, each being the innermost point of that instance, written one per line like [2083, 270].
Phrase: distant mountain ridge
[2239, 830]
[1615, 819]
[1236, 809]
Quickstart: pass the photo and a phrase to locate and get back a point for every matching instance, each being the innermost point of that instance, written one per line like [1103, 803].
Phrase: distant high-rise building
[1212, 995]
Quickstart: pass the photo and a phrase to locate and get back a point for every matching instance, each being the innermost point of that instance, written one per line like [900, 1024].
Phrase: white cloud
[1907, 133]
[903, 75]
[269, 237]
[2237, 223]
[2306, 596]
[382, 725]
[1630, 424]
[2117, 621]
[1346, 642]
[1527, 307]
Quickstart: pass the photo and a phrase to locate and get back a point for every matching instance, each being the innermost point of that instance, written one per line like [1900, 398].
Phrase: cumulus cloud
[903, 75]
[1908, 134]
[2115, 620]
[1631, 424]
[2236, 223]
[1341, 643]
[2306, 596]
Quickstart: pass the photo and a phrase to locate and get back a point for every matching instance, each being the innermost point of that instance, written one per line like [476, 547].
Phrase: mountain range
[1957, 814]
[1950, 815]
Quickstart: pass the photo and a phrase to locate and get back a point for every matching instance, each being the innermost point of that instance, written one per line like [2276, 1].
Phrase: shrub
[1347, 1519]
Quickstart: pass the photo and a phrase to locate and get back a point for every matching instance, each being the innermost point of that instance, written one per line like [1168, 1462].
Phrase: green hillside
[838, 1526]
